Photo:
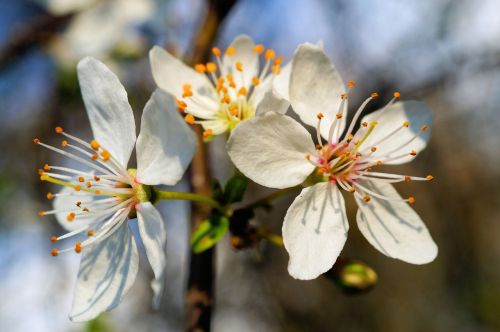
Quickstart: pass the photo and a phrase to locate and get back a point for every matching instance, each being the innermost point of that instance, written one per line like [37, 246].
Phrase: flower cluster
[236, 96]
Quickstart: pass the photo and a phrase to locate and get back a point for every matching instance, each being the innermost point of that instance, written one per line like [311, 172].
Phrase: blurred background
[444, 52]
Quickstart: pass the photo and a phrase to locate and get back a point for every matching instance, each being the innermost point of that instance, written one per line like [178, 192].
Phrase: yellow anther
[36, 141]
[53, 239]
[90, 232]
[207, 133]
[378, 163]
[226, 99]
[78, 247]
[429, 177]
[95, 144]
[189, 119]
[413, 152]
[105, 155]
[234, 111]
[407, 178]
[411, 199]
[216, 51]
[70, 217]
[350, 137]
[374, 95]
[255, 81]
[200, 68]
[351, 84]
[269, 54]
[366, 198]
[424, 128]
[406, 124]
[187, 94]
[41, 213]
[258, 48]
[88, 184]
[373, 149]
[230, 51]
[229, 77]
[397, 95]
[364, 124]
[50, 195]
[96, 178]
[239, 66]
[77, 188]
[320, 116]
[186, 87]
[59, 130]
[44, 177]
[53, 252]
[64, 143]
[242, 92]
[211, 67]
[81, 179]
[339, 115]
[187, 90]
[97, 192]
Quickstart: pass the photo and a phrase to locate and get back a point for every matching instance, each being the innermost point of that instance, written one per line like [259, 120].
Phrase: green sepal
[209, 232]
[235, 189]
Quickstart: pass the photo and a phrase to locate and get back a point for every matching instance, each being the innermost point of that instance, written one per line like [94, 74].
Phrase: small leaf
[235, 188]
[210, 231]
[217, 192]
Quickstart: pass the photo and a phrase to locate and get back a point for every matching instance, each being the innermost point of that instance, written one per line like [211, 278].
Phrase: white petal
[272, 94]
[281, 84]
[107, 271]
[243, 45]
[170, 74]
[165, 145]
[154, 236]
[394, 228]
[67, 203]
[315, 86]
[272, 103]
[108, 109]
[417, 113]
[315, 230]
[270, 150]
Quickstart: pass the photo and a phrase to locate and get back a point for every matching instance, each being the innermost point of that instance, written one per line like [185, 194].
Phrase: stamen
[189, 119]
[53, 239]
[216, 51]
[258, 48]
[211, 67]
[50, 196]
[230, 51]
[270, 54]
[78, 247]
[429, 177]
[59, 130]
[95, 145]
[200, 68]
[53, 252]
[411, 199]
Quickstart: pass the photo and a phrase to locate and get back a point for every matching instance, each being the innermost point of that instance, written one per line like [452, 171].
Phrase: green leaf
[235, 188]
[210, 231]
[217, 192]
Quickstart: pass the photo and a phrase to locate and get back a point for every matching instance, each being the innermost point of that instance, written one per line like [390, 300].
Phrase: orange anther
[53, 239]
[350, 137]
[255, 81]
[366, 198]
[320, 116]
[373, 149]
[200, 68]
[81, 179]
[374, 95]
[207, 133]
[180, 103]
[406, 124]
[96, 178]
[407, 178]
[424, 128]
[352, 190]
[234, 111]
[278, 60]
[50, 195]
[226, 99]
[94, 156]
[239, 66]
[269, 54]
[230, 51]
[41, 213]
[95, 145]
[78, 247]
[429, 177]
[189, 119]
[186, 87]
[97, 192]
[242, 92]
[90, 232]
[379, 163]
[211, 67]
[46, 167]
[64, 143]
[343, 96]
[53, 252]
[216, 51]
[308, 156]
[105, 155]
[397, 95]
[413, 152]
[187, 94]
[276, 69]
[258, 48]
[351, 84]
[77, 188]
[339, 115]
[70, 217]
[364, 124]
[88, 184]
[59, 130]
[36, 141]
[40, 171]
[411, 199]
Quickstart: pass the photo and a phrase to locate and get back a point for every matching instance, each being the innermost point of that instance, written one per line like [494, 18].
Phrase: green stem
[269, 198]
[171, 195]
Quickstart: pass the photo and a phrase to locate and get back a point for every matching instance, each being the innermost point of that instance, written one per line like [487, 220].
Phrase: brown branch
[200, 294]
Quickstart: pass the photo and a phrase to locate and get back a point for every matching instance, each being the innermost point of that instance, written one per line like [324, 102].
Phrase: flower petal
[110, 114]
[393, 227]
[107, 271]
[165, 145]
[315, 230]
[270, 150]
[404, 141]
[315, 86]
[154, 236]
[245, 54]
[272, 94]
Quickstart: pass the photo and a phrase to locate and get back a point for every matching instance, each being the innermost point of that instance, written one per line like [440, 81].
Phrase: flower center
[233, 86]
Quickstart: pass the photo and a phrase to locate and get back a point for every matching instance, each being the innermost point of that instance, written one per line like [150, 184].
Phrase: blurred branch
[38, 30]
[201, 273]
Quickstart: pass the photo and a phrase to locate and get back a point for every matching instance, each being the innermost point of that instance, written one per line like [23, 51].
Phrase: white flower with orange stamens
[282, 154]
[219, 95]
[97, 201]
